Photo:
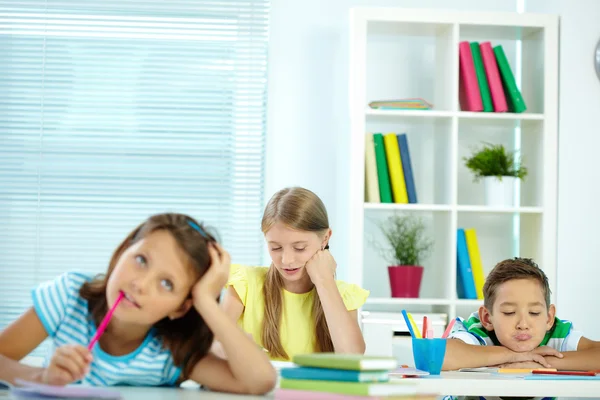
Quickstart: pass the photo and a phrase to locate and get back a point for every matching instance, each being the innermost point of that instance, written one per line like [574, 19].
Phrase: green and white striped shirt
[561, 337]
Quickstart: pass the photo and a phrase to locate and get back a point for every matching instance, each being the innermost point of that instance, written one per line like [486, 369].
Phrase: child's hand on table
[537, 355]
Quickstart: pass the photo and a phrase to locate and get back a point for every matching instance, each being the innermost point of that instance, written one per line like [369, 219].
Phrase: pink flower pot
[405, 280]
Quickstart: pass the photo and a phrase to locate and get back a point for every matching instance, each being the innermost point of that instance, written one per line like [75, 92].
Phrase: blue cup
[429, 354]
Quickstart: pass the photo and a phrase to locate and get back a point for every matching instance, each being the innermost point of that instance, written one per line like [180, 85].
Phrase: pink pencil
[449, 328]
[105, 322]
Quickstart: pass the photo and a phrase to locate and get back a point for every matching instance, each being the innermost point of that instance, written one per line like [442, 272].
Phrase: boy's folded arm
[462, 355]
[585, 358]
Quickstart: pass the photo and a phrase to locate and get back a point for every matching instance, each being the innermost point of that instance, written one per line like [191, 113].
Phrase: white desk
[481, 384]
[159, 393]
[449, 383]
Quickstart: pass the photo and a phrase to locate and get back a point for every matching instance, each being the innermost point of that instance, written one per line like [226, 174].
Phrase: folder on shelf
[493, 77]
[392, 153]
[371, 179]
[513, 94]
[383, 177]
[484, 88]
[409, 179]
[465, 284]
[475, 259]
[468, 94]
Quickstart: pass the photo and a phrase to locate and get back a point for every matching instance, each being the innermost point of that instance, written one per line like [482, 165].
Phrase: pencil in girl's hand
[105, 321]
[449, 329]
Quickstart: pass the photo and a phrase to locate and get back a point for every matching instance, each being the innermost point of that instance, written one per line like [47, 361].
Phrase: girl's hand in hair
[215, 278]
[321, 267]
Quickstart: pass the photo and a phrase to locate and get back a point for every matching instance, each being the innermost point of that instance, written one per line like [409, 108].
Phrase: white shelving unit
[400, 53]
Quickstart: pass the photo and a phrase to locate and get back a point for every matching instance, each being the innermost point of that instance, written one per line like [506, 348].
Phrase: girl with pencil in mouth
[160, 293]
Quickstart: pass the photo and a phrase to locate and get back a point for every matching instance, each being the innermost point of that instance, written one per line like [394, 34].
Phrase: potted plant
[407, 246]
[499, 170]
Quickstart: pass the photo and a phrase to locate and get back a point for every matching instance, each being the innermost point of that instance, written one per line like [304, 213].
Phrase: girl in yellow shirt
[296, 306]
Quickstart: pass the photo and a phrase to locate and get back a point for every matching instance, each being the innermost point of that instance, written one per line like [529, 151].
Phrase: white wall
[579, 141]
[307, 118]
[308, 126]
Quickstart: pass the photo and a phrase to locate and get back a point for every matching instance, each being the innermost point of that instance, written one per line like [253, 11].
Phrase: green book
[355, 388]
[354, 362]
[484, 88]
[383, 176]
[513, 94]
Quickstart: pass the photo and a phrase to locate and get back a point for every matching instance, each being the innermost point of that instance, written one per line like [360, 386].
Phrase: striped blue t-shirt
[66, 318]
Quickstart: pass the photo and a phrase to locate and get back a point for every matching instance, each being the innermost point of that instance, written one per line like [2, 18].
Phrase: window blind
[115, 110]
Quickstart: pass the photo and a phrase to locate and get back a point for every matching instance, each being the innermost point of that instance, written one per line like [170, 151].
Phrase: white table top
[161, 393]
[449, 383]
[485, 384]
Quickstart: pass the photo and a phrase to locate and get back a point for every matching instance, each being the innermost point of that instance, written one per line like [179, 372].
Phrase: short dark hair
[510, 269]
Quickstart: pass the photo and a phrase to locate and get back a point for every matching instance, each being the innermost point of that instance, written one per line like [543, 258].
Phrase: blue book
[326, 374]
[465, 284]
[407, 168]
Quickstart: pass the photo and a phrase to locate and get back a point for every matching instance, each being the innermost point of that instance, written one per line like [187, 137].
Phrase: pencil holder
[429, 354]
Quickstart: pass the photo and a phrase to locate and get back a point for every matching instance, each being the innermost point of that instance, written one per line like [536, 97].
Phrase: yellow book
[392, 152]
[475, 258]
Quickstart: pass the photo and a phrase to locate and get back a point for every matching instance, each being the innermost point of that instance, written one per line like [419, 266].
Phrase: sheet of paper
[37, 390]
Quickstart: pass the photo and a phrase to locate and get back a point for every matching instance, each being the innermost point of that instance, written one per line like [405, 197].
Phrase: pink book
[292, 394]
[494, 80]
[469, 95]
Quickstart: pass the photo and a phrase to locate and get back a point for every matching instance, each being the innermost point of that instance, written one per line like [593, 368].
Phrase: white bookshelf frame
[402, 19]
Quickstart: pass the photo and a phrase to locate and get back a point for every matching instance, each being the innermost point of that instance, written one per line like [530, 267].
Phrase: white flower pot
[499, 193]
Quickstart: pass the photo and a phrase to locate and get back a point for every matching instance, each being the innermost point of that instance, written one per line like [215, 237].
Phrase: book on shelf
[513, 94]
[388, 169]
[484, 88]
[493, 77]
[371, 179]
[409, 179]
[383, 177]
[470, 277]
[465, 284]
[468, 93]
[392, 153]
[475, 259]
[486, 80]
[401, 104]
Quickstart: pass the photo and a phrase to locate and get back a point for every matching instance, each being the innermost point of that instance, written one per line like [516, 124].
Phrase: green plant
[494, 160]
[407, 241]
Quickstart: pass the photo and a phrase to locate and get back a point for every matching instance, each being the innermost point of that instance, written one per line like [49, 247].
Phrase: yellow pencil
[522, 370]
[414, 326]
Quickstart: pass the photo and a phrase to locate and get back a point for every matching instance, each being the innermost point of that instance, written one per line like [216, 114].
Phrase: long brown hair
[299, 209]
[188, 338]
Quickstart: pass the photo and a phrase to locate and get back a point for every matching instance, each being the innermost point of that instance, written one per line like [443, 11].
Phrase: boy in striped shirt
[517, 328]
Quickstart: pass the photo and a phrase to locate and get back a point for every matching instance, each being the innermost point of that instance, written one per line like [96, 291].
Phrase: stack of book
[388, 169]
[470, 276]
[487, 82]
[343, 376]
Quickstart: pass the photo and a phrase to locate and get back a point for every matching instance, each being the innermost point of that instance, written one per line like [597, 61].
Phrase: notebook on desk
[32, 390]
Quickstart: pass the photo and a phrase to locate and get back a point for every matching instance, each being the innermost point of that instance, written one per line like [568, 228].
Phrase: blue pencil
[410, 329]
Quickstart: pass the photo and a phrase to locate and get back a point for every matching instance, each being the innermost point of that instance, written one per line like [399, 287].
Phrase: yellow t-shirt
[297, 330]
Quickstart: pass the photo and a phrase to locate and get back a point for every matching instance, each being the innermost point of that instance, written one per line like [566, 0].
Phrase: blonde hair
[299, 209]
